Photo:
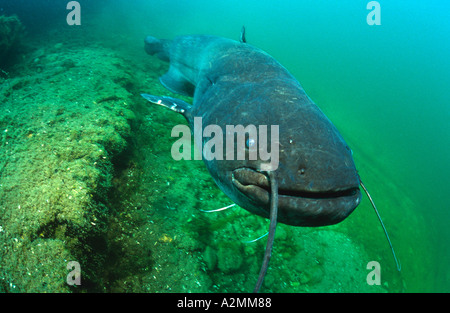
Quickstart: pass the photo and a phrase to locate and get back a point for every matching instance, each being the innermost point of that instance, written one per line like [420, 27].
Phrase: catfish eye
[250, 143]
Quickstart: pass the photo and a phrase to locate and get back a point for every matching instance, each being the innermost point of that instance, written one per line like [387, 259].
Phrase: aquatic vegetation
[11, 33]
[62, 123]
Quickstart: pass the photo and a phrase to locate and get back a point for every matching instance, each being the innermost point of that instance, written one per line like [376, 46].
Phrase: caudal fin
[158, 47]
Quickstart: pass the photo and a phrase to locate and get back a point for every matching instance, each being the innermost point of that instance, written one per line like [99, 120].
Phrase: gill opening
[399, 267]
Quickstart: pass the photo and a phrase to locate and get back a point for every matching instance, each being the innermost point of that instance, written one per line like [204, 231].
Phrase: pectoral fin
[173, 104]
[176, 82]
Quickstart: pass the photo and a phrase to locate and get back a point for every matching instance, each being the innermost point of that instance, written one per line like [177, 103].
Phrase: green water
[76, 89]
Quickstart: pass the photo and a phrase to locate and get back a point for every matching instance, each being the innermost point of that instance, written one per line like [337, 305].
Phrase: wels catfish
[314, 181]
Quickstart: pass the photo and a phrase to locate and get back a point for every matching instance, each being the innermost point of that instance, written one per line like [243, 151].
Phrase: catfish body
[234, 83]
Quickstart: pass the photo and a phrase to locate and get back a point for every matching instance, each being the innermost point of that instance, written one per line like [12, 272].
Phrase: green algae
[63, 120]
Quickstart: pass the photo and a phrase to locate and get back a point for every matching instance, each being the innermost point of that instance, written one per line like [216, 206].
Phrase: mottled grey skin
[235, 83]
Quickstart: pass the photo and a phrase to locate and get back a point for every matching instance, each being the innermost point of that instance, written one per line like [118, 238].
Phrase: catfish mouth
[296, 206]
[315, 195]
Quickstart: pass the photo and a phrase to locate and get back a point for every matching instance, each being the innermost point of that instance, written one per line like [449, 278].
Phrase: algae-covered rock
[11, 33]
[58, 149]
[43, 263]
